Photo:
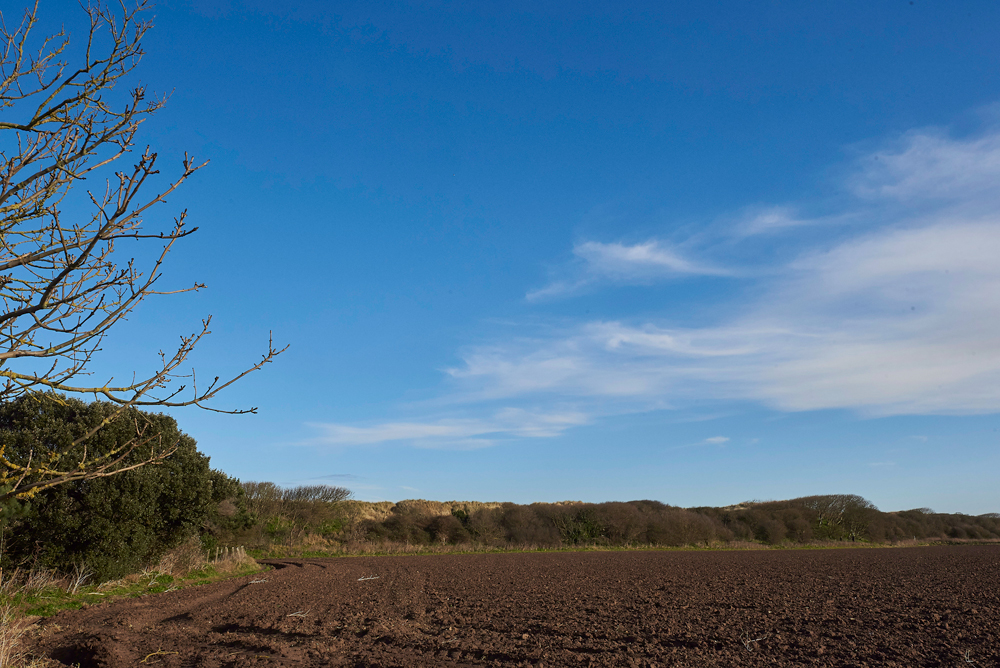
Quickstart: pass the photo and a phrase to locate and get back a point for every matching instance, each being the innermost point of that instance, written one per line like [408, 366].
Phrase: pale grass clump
[183, 559]
[361, 547]
[13, 625]
[26, 583]
[13, 628]
[189, 557]
[315, 541]
[230, 559]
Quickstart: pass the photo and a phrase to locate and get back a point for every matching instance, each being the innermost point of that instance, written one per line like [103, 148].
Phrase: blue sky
[700, 253]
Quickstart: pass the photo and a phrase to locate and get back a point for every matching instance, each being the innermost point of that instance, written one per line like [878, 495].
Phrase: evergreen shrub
[117, 524]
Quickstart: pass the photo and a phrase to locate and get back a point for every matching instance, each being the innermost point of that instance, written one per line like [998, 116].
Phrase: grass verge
[49, 601]
[27, 595]
[319, 548]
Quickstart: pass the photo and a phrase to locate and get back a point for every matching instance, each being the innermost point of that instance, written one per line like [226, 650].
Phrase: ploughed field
[931, 606]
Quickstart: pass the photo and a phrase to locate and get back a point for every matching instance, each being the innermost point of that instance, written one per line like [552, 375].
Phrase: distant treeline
[114, 525]
[298, 515]
[110, 526]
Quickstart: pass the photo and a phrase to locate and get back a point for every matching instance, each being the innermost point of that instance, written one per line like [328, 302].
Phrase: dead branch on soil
[158, 652]
[750, 642]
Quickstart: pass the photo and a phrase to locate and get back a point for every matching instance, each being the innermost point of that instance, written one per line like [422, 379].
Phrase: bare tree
[849, 514]
[63, 283]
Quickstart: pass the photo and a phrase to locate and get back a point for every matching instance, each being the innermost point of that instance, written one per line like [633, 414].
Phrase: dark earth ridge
[926, 606]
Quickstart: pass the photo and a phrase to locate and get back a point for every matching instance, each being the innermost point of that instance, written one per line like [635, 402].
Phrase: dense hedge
[836, 517]
[119, 524]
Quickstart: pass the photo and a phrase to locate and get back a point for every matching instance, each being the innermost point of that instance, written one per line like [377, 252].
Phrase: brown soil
[934, 606]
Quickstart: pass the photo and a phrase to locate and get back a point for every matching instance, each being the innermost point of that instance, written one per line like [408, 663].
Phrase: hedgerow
[116, 524]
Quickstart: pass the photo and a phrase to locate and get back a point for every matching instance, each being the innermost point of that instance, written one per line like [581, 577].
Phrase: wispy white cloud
[930, 165]
[558, 289]
[769, 220]
[639, 261]
[464, 434]
[898, 313]
[397, 431]
[712, 440]
[620, 263]
[337, 476]
[903, 317]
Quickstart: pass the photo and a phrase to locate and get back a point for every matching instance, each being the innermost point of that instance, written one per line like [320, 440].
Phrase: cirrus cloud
[897, 313]
[900, 315]
[618, 263]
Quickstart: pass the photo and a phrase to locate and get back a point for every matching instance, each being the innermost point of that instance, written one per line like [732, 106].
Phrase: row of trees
[840, 517]
[552, 525]
[117, 524]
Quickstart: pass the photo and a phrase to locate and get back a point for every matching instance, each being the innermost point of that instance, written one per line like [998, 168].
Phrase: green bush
[116, 524]
[282, 515]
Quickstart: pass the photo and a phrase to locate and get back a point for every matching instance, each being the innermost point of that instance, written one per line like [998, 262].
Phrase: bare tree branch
[63, 283]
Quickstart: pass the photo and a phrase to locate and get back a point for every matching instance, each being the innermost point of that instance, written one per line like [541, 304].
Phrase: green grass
[389, 548]
[55, 596]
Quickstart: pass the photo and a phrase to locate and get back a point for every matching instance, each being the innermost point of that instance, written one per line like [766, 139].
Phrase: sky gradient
[702, 254]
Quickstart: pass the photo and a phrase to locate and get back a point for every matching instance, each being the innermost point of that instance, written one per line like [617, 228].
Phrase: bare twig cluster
[64, 283]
